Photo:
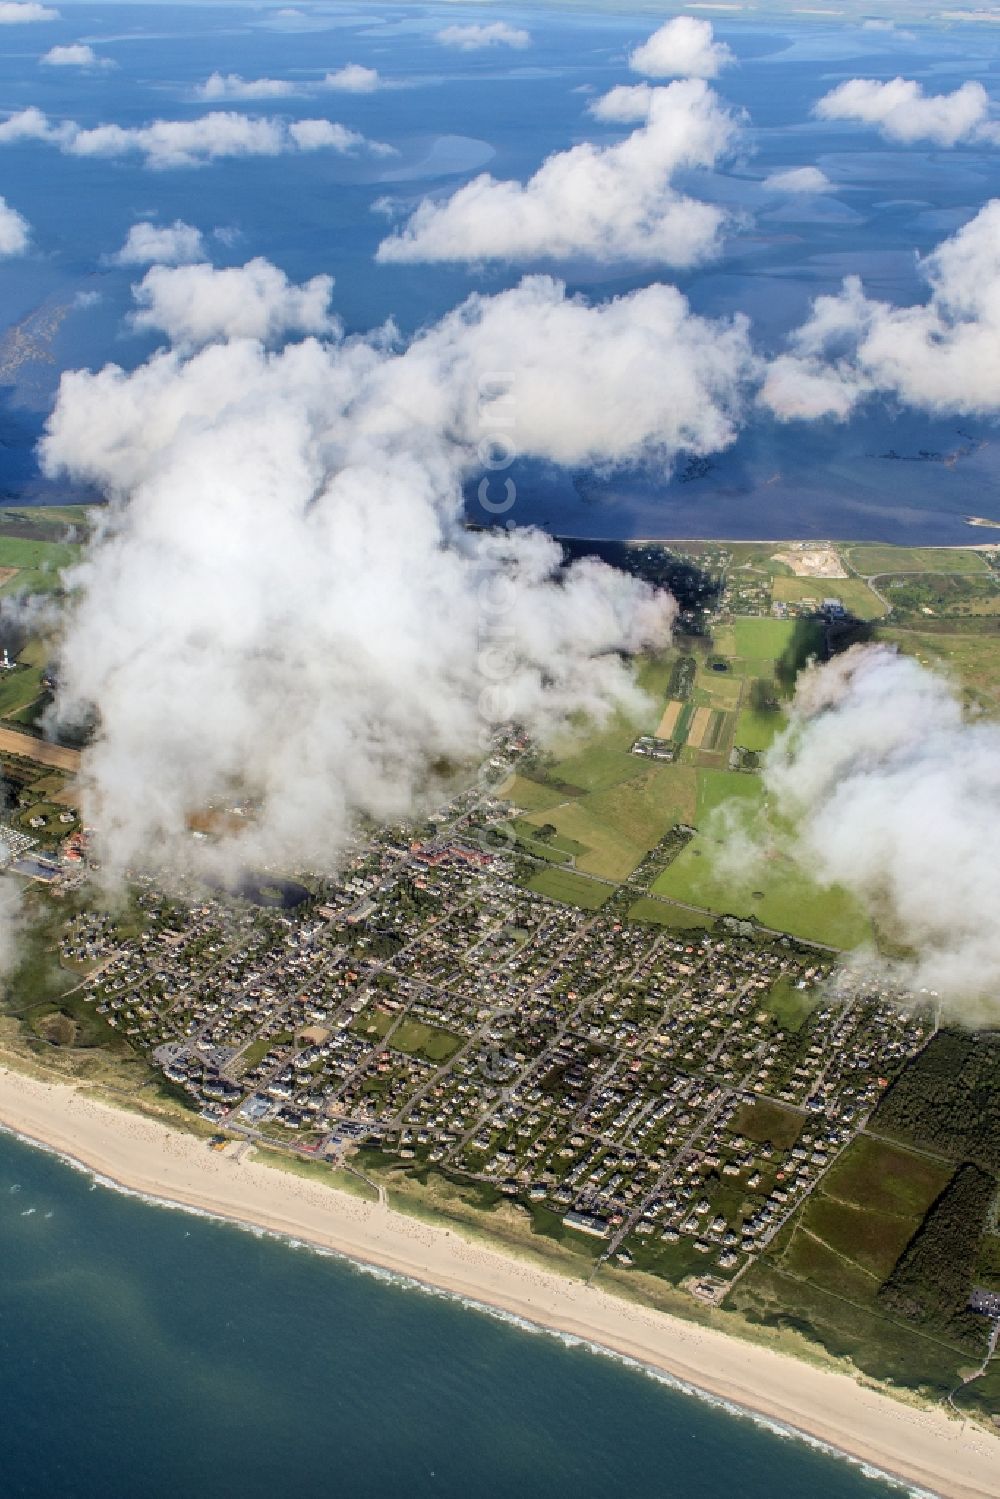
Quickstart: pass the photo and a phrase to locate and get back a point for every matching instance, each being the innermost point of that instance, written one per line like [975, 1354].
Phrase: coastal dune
[928, 1448]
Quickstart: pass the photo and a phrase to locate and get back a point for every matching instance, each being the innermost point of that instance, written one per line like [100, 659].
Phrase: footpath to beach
[926, 1447]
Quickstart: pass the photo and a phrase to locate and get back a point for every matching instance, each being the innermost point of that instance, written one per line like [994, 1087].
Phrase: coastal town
[544, 1006]
[637, 1083]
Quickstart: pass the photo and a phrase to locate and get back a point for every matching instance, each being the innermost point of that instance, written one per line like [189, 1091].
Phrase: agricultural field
[37, 564]
[970, 656]
[871, 560]
[572, 889]
[856, 597]
[775, 893]
[667, 913]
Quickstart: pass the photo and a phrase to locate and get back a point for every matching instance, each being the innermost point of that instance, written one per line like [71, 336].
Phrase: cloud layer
[285, 606]
[896, 795]
[186, 143]
[939, 356]
[220, 86]
[75, 55]
[902, 112]
[798, 181]
[682, 48]
[25, 12]
[353, 79]
[197, 304]
[475, 37]
[15, 233]
[161, 244]
[611, 203]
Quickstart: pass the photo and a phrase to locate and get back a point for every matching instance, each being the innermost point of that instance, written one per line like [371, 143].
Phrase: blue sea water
[449, 115]
[151, 1352]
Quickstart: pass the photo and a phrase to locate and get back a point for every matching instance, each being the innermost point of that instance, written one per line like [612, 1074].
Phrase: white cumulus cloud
[23, 12]
[798, 181]
[474, 37]
[232, 86]
[353, 79]
[938, 356]
[187, 143]
[895, 794]
[284, 604]
[76, 55]
[15, 232]
[197, 304]
[161, 244]
[682, 48]
[612, 203]
[902, 112]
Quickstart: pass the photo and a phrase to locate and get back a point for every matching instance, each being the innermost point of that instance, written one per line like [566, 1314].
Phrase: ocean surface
[151, 1352]
[450, 115]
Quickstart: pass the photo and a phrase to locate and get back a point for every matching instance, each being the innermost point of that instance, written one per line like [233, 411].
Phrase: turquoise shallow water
[150, 1352]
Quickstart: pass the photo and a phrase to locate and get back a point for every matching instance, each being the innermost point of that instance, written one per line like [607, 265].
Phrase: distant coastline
[917, 1445]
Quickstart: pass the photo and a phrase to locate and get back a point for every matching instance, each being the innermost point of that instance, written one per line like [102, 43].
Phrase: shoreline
[920, 1446]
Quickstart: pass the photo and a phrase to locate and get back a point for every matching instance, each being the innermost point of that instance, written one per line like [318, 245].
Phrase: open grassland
[971, 657]
[572, 889]
[38, 563]
[775, 893]
[789, 1005]
[716, 788]
[856, 597]
[756, 730]
[18, 689]
[416, 1038]
[764, 1121]
[760, 639]
[870, 559]
[824, 1270]
[669, 914]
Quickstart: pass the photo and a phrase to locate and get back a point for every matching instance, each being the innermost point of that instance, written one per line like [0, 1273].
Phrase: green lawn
[716, 787]
[755, 730]
[760, 639]
[572, 889]
[856, 597]
[18, 689]
[38, 563]
[414, 1036]
[791, 1007]
[870, 560]
[665, 913]
[778, 895]
[763, 1121]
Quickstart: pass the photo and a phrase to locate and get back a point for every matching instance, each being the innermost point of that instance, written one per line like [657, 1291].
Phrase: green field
[764, 1121]
[777, 895]
[38, 563]
[717, 788]
[969, 655]
[763, 639]
[856, 597]
[871, 560]
[791, 1007]
[572, 889]
[666, 913]
[756, 730]
[416, 1038]
[824, 1271]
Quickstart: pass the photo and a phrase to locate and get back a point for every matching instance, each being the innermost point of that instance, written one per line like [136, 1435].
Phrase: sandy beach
[926, 1447]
